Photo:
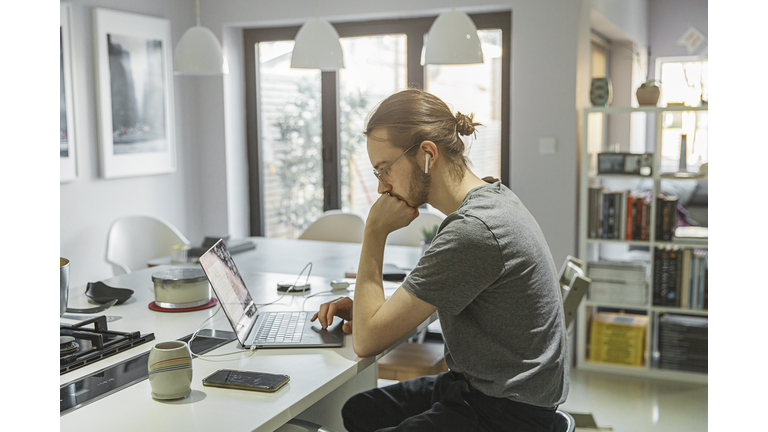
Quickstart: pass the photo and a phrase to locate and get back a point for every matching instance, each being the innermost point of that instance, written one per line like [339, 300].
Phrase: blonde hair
[413, 116]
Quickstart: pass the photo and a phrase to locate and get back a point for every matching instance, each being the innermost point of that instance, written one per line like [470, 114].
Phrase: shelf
[645, 307]
[680, 311]
[629, 242]
[683, 244]
[650, 109]
[662, 173]
[616, 305]
[675, 176]
[619, 176]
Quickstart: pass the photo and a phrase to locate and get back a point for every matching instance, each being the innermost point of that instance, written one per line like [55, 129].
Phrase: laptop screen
[230, 289]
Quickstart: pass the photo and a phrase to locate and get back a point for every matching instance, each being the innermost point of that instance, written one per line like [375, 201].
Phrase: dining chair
[133, 240]
[411, 235]
[335, 226]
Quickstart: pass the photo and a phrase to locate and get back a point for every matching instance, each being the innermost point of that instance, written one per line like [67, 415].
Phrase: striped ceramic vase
[170, 370]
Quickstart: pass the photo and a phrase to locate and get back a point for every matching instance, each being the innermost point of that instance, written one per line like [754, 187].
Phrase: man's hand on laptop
[341, 307]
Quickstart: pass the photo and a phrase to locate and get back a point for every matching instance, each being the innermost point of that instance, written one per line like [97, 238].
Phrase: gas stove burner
[90, 341]
[67, 345]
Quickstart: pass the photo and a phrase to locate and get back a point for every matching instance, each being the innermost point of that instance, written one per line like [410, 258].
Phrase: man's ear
[431, 154]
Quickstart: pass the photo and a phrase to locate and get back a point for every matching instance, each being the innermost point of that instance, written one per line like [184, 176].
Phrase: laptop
[279, 329]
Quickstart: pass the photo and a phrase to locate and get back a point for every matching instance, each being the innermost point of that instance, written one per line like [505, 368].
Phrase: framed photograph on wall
[134, 75]
[67, 147]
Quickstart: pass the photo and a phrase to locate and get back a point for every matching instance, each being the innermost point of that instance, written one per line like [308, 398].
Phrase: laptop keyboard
[282, 327]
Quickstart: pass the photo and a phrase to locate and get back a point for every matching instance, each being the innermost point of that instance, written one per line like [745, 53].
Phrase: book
[621, 215]
[666, 216]
[594, 201]
[645, 220]
[658, 259]
[685, 278]
[631, 212]
[609, 210]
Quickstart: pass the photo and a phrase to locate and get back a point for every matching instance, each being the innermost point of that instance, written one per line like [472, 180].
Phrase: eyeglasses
[383, 170]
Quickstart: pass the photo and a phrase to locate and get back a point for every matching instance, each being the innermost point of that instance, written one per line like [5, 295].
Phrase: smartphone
[246, 380]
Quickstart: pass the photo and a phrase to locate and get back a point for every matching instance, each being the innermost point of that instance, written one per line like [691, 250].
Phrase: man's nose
[383, 189]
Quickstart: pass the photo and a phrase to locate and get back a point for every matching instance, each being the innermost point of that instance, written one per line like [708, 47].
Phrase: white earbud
[426, 164]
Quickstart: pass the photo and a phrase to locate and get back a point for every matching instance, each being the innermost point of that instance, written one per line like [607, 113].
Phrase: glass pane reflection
[290, 131]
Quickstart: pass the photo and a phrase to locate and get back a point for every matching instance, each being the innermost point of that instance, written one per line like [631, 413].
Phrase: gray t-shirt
[492, 278]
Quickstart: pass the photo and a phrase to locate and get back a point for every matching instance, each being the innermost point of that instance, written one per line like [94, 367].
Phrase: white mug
[170, 370]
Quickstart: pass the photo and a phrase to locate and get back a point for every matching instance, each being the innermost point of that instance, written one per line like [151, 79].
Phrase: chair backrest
[133, 240]
[564, 422]
[411, 234]
[336, 226]
[573, 286]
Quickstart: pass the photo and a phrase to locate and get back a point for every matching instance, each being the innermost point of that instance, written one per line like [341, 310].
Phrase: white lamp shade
[452, 39]
[198, 53]
[317, 47]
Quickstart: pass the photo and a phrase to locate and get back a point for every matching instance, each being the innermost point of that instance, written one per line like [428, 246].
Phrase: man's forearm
[369, 290]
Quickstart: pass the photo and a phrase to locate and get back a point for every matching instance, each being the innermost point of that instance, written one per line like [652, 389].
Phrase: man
[488, 273]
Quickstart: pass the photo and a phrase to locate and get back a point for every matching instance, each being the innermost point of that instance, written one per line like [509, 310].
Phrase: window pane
[290, 131]
[684, 82]
[475, 89]
[374, 69]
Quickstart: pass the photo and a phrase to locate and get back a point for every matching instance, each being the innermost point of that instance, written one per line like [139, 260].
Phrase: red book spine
[630, 214]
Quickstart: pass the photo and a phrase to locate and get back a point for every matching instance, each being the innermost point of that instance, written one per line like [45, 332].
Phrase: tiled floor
[630, 404]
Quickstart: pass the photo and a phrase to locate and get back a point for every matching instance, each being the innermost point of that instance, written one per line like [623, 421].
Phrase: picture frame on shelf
[67, 135]
[625, 163]
[134, 80]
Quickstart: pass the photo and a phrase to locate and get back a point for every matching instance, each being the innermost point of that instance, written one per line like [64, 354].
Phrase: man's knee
[353, 409]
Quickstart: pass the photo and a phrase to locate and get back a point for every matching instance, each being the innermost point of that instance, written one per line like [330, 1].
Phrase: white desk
[321, 379]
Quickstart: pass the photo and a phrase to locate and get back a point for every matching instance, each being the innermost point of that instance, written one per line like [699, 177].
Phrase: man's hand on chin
[390, 213]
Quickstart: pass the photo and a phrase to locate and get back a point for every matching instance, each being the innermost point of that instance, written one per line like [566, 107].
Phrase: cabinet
[640, 260]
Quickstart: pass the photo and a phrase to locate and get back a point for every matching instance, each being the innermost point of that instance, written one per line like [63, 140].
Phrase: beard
[419, 186]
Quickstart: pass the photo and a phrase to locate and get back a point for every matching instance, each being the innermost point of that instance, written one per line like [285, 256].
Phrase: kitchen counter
[321, 378]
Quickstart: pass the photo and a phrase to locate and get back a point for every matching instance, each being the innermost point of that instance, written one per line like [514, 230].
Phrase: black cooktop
[89, 341]
[104, 382]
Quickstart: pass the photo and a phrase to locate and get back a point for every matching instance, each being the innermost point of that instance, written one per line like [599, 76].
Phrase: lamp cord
[197, 2]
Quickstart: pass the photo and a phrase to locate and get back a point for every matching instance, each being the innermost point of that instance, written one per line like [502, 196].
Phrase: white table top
[314, 372]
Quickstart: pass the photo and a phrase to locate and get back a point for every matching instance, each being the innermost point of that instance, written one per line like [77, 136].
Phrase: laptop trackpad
[333, 334]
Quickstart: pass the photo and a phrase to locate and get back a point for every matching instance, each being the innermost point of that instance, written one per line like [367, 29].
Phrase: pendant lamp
[317, 46]
[199, 52]
[452, 39]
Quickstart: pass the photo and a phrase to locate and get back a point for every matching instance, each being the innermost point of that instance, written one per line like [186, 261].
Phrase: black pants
[437, 403]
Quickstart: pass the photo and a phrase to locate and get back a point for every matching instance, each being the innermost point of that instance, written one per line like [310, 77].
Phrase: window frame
[414, 29]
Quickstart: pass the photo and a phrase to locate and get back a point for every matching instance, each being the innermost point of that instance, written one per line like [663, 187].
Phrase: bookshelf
[665, 125]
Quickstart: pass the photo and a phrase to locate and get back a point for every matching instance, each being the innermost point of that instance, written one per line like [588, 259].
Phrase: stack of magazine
[682, 342]
[618, 282]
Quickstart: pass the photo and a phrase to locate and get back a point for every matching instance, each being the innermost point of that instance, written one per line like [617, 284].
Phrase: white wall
[548, 90]
[90, 203]
[668, 21]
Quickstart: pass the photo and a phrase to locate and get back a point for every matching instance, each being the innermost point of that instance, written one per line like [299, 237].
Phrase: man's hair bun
[465, 124]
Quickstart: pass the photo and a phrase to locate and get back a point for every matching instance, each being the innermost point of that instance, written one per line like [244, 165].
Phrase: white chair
[133, 240]
[411, 234]
[335, 226]
[573, 286]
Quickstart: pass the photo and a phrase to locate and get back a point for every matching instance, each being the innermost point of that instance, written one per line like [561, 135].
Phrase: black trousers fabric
[443, 402]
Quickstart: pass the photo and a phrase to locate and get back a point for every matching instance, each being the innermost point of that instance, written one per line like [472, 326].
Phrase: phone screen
[246, 380]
